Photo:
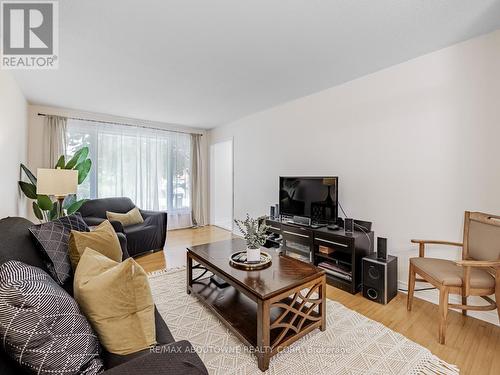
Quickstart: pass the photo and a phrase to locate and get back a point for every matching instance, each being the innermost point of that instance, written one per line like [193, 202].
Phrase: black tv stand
[337, 252]
[333, 227]
[291, 222]
[317, 226]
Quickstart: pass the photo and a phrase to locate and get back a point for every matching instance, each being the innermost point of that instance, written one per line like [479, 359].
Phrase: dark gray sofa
[141, 238]
[17, 244]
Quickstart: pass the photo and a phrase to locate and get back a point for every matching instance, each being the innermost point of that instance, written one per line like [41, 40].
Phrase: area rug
[351, 344]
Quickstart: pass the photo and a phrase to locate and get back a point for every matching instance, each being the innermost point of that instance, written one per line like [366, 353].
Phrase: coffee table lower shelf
[265, 325]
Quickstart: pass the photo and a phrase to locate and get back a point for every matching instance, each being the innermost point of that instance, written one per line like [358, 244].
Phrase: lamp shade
[58, 182]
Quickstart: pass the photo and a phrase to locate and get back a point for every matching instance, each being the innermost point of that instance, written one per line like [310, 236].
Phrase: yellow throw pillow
[130, 218]
[117, 301]
[102, 239]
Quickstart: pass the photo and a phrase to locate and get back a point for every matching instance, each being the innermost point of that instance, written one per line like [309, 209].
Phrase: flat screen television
[312, 197]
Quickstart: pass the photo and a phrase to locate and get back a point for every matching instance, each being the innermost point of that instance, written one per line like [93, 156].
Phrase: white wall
[413, 145]
[13, 142]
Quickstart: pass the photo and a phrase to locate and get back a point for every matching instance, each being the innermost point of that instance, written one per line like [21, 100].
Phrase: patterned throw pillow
[52, 239]
[42, 327]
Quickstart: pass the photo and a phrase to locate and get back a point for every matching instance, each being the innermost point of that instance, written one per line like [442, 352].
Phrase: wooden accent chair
[477, 274]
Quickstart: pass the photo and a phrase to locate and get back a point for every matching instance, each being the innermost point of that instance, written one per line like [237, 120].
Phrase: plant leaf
[60, 162]
[78, 158]
[75, 206]
[83, 169]
[37, 212]
[30, 175]
[84, 153]
[72, 162]
[69, 200]
[44, 203]
[28, 189]
[53, 214]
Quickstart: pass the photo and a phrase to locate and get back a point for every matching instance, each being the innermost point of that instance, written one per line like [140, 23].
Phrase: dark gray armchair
[141, 238]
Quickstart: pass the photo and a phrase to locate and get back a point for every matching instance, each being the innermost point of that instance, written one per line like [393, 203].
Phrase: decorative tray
[239, 260]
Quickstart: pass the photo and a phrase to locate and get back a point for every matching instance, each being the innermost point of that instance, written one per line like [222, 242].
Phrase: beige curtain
[197, 182]
[54, 142]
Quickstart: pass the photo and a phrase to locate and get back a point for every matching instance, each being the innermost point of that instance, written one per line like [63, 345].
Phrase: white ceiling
[207, 62]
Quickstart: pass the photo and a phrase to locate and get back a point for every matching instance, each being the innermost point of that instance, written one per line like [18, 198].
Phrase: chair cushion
[102, 239]
[483, 241]
[117, 300]
[52, 239]
[130, 218]
[42, 327]
[449, 273]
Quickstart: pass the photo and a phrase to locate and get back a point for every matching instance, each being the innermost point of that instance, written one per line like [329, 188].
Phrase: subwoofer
[380, 278]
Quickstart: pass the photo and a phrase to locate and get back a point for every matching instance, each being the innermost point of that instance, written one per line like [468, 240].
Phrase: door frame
[212, 182]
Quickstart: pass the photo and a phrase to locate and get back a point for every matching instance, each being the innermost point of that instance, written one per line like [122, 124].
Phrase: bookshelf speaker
[348, 225]
[381, 248]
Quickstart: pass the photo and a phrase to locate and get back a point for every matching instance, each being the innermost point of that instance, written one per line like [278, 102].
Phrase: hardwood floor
[177, 241]
[471, 344]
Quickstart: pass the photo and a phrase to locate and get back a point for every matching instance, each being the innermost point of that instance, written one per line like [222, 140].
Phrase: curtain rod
[121, 123]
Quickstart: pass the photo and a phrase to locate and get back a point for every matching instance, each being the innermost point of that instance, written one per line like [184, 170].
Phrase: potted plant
[254, 233]
[43, 206]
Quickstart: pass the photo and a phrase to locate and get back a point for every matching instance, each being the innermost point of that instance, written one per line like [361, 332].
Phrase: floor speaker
[380, 278]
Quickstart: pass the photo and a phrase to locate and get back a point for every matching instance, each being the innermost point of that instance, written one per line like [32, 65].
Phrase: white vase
[253, 255]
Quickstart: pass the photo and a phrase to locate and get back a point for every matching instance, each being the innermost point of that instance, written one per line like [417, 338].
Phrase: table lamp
[57, 182]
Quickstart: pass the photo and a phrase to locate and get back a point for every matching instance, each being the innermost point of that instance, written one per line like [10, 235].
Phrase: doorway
[221, 184]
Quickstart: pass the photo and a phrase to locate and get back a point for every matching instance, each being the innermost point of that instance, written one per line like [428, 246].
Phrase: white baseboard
[433, 297]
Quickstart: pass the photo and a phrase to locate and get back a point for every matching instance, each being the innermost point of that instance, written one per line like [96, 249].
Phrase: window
[151, 167]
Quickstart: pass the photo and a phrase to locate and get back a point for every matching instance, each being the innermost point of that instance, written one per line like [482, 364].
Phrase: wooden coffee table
[267, 309]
